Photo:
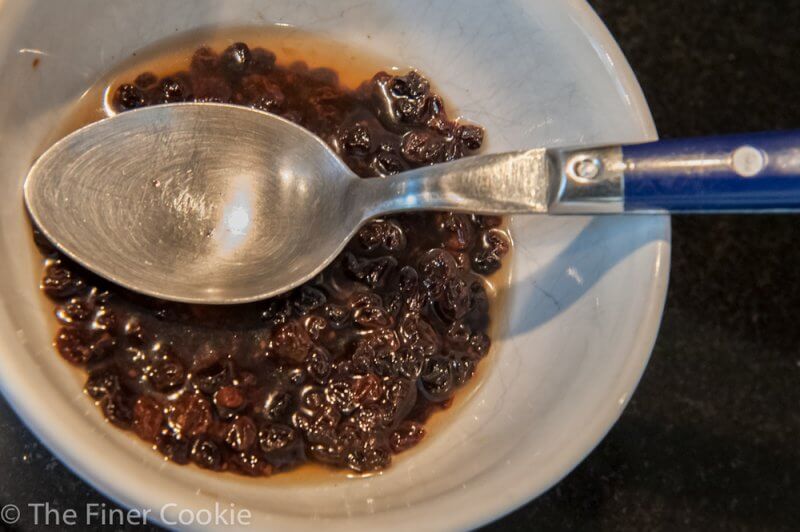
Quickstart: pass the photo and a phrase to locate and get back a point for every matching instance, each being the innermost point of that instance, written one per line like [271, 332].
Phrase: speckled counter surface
[711, 439]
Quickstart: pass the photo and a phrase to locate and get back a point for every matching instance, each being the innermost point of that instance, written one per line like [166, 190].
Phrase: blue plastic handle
[736, 173]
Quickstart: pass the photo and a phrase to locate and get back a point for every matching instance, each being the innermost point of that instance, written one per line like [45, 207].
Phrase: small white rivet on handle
[586, 168]
[748, 161]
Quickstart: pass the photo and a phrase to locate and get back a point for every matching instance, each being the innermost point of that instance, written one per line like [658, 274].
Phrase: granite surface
[711, 439]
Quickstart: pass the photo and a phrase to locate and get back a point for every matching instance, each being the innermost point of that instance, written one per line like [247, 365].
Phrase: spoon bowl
[225, 209]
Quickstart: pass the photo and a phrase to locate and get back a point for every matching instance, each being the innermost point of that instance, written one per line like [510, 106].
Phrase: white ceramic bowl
[587, 293]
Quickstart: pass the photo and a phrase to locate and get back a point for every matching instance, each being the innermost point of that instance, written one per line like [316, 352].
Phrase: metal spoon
[214, 203]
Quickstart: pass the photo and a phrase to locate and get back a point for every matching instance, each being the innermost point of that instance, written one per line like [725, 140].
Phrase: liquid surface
[344, 370]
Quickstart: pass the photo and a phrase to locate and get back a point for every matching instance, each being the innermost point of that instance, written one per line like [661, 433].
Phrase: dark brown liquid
[344, 370]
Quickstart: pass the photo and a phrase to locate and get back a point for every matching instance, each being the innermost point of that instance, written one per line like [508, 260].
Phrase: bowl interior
[585, 298]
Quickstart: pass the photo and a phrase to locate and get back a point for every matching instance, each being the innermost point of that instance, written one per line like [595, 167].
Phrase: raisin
[104, 320]
[408, 280]
[79, 346]
[60, 282]
[145, 81]
[486, 262]
[496, 241]
[175, 449]
[458, 334]
[300, 67]
[241, 434]
[368, 459]
[307, 299]
[322, 97]
[356, 139]
[461, 369]
[337, 315]
[208, 380]
[229, 400]
[261, 60]
[455, 302]
[438, 121]
[206, 454]
[414, 331]
[204, 60]
[372, 272]
[382, 234]
[211, 89]
[296, 376]
[463, 261]
[251, 464]
[422, 147]
[436, 381]
[236, 58]
[275, 437]
[278, 311]
[363, 299]
[313, 398]
[386, 163]
[172, 89]
[129, 97]
[398, 399]
[318, 365]
[259, 92]
[408, 362]
[278, 405]
[369, 421]
[71, 344]
[479, 344]
[327, 453]
[291, 341]
[102, 384]
[394, 303]
[148, 418]
[281, 445]
[436, 267]
[118, 409]
[189, 416]
[372, 317]
[412, 85]
[458, 230]
[133, 332]
[340, 394]
[411, 111]
[367, 389]
[324, 76]
[166, 373]
[478, 317]
[471, 137]
[407, 435]
[315, 325]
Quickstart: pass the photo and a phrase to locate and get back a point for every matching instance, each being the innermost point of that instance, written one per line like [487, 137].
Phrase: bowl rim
[519, 493]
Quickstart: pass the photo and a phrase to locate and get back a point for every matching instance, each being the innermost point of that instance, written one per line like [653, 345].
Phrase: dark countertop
[711, 439]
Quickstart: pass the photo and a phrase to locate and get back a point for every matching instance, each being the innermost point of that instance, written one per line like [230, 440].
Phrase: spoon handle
[738, 173]
[504, 183]
[757, 172]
